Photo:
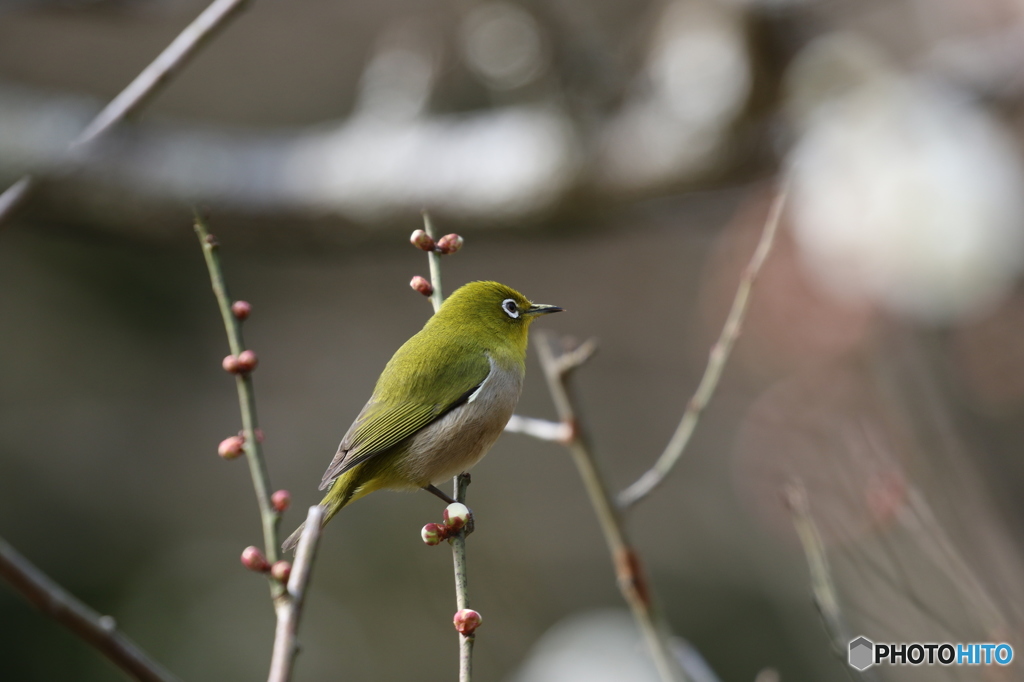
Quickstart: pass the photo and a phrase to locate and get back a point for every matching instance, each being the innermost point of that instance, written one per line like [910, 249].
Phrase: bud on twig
[253, 559]
[467, 621]
[247, 361]
[421, 285]
[232, 447]
[433, 533]
[280, 500]
[456, 516]
[280, 571]
[241, 309]
[450, 243]
[230, 364]
[421, 240]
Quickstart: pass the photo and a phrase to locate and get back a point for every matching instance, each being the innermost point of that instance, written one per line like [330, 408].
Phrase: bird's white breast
[458, 440]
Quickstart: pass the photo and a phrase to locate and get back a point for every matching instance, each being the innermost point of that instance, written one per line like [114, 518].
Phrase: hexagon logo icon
[862, 653]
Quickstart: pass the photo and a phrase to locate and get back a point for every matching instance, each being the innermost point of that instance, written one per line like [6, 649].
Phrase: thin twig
[289, 605]
[632, 581]
[246, 401]
[824, 590]
[434, 258]
[98, 631]
[716, 363]
[146, 85]
[458, 543]
[542, 429]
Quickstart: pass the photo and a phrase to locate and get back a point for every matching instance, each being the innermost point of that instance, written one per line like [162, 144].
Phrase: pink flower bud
[421, 240]
[247, 361]
[450, 243]
[230, 364]
[433, 533]
[253, 559]
[421, 285]
[280, 571]
[232, 447]
[467, 621]
[456, 516]
[280, 500]
[241, 309]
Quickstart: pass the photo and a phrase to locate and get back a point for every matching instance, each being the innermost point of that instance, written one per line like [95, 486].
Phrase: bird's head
[490, 308]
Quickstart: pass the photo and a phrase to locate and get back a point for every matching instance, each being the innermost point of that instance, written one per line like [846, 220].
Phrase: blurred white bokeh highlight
[696, 81]
[905, 192]
[501, 43]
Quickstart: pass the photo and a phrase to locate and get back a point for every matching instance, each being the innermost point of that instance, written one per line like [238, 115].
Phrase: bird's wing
[416, 395]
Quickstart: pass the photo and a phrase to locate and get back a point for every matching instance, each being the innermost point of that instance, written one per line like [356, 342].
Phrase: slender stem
[98, 631]
[824, 590]
[719, 355]
[632, 580]
[246, 401]
[458, 543]
[146, 85]
[289, 605]
[436, 298]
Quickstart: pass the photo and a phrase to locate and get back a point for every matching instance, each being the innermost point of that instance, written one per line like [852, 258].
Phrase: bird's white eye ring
[510, 307]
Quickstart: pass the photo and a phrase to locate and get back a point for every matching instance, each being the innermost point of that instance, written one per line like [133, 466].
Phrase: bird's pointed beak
[543, 309]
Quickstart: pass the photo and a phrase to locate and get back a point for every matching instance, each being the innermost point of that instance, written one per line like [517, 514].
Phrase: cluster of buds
[243, 363]
[467, 621]
[448, 244]
[456, 516]
[253, 559]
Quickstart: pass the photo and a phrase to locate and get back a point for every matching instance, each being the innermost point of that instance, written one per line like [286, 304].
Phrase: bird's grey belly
[458, 440]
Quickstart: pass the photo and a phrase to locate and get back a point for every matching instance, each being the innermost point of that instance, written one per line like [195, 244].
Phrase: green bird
[441, 401]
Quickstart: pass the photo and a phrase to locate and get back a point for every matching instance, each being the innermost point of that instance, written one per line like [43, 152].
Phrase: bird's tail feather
[341, 493]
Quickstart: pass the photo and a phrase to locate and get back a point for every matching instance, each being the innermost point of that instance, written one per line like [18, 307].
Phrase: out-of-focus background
[614, 158]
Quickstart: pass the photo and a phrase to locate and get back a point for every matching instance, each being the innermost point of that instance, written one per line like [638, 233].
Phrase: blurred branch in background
[145, 86]
[531, 151]
[716, 363]
[98, 631]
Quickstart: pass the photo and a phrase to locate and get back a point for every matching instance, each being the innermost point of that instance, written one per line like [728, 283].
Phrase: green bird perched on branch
[441, 402]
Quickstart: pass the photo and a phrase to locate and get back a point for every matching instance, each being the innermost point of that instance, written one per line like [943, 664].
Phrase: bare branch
[631, 578]
[146, 85]
[716, 363]
[289, 605]
[246, 401]
[98, 631]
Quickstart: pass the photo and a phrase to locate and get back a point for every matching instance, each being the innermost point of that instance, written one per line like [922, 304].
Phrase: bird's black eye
[510, 308]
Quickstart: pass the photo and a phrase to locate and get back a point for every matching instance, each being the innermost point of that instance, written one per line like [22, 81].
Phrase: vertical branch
[246, 400]
[458, 542]
[146, 85]
[716, 363]
[631, 578]
[289, 607]
[98, 631]
[434, 258]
